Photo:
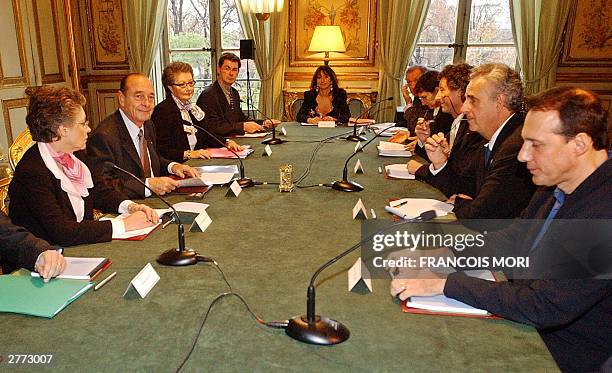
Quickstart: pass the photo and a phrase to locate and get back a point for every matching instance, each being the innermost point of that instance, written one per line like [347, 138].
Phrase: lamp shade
[263, 6]
[327, 39]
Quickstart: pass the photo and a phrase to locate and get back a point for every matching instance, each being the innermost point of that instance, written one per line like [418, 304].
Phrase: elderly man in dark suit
[569, 302]
[21, 249]
[221, 102]
[127, 139]
[502, 186]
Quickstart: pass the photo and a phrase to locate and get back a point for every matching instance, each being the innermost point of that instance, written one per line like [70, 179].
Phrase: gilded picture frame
[589, 35]
[108, 44]
[356, 18]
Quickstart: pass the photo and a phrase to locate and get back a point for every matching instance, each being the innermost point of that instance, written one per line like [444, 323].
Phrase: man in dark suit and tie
[502, 186]
[127, 139]
[568, 302]
[221, 102]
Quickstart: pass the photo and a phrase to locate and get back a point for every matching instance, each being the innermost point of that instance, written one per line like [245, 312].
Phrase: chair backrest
[4, 184]
[19, 147]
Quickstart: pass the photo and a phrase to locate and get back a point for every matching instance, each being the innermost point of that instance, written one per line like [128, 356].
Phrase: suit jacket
[18, 247]
[441, 123]
[465, 150]
[220, 118]
[39, 204]
[111, 142]
[340, 110]
[572, 316]
[501, 190]
[172, 140]
[413, 113]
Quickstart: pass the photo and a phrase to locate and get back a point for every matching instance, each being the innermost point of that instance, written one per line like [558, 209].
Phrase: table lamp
[327, 39]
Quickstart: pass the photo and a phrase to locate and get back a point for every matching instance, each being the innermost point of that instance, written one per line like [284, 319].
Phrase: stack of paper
[388, 128]
[225, 153]
[31, 296]
[256, 134]
[82, 268]
[360, 122]
[442, 304]
[409, 208]
[398, 171]
[391, 149]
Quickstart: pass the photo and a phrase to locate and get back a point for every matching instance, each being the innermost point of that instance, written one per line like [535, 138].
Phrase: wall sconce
[327, 39]
[263, 8]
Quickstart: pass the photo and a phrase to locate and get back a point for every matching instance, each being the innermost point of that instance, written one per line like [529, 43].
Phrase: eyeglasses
[183, 85]
[84, 124]
[228, 69]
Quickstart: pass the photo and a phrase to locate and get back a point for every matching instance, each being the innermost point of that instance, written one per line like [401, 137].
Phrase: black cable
[314, 153]
[272, 324]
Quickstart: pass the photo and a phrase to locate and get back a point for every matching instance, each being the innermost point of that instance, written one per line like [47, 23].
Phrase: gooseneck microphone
[355, 136]
[345, 185]
[244, 182]
[175, 256]
[270, 140]
[314, 329]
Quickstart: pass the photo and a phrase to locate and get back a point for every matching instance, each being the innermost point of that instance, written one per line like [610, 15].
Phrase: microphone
[244, 182]
[172, 257]
[314, 329]
[345, 185]
[355, 136]
[270, 140]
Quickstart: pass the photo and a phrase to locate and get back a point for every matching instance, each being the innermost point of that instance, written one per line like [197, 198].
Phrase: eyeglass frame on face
[190, 83]
[84, 124]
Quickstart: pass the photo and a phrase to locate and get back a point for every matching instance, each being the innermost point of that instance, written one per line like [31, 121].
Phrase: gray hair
[504, 81]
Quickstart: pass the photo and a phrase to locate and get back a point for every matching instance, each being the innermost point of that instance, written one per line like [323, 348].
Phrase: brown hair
[327, 71]
[50, 107]
[229, 57]
[579, 111]
[170, 72]
[457, 77]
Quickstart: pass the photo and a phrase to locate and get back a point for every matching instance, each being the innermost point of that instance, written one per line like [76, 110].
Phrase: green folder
[32, 296]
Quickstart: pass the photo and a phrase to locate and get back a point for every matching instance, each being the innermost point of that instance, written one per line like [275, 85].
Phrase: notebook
[82, 268]
[31, 296]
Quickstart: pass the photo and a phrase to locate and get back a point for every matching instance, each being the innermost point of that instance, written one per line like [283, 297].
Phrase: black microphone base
[175, 257]
[322, 332]
[272, 141]
[245, 182]
[355, 138]
[346, 186]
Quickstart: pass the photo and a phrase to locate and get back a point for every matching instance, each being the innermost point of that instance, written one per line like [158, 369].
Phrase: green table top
[268, 243]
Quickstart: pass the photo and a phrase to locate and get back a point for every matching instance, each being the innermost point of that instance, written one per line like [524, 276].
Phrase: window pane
[231, 32]
[490, 22]
[439, 25]
[431, 57]
[479, 55]
[188, 25]
[200, 63]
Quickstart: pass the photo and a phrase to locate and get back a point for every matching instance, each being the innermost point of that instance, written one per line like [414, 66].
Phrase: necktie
[144, 154]
[487, 157]
[559, 199]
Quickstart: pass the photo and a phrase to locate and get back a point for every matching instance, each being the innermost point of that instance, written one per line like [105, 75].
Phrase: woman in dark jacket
[325, 100]
[174, 117]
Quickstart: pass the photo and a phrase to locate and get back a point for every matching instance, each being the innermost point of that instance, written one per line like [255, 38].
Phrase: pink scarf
[72, 167]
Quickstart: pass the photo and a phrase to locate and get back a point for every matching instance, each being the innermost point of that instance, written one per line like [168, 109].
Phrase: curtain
[399, 25]
[538, 26]
[270, 46]
[145, 20]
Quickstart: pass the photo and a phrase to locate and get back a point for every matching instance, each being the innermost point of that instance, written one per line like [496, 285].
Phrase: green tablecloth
[268, 243]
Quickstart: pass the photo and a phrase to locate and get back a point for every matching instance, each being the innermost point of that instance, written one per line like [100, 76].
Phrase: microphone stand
[355, 137]
[172, 257]
[270, 140]
[345, 185]
[314, 329]
[244, 182]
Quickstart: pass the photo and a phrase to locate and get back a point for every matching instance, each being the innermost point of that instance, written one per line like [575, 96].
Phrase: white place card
[358, 146]
[203, 220]
[267, 150]
[144, 281]
[234, 189]
[283, 131]
[359, 211]
[359, 273]
[359, 167]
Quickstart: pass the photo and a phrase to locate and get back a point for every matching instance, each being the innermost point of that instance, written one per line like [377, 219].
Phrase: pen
[103, 282]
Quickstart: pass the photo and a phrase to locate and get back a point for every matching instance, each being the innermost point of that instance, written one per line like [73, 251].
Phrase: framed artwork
[356, 18]
[107, 34]
[589, 35]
